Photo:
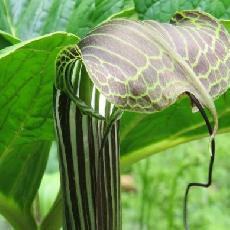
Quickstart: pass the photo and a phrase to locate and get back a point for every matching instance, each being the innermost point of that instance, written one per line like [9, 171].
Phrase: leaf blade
[173, 126]
[77, 16]
[163, 10]
[7, 40]
[26, 119]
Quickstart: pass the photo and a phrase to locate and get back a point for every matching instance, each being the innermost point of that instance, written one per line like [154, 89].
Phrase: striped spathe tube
[88, 151]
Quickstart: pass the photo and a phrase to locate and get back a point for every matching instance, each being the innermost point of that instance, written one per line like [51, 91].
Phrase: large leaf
[164, 9]
[7, 40]
[226, 23]
[31, 18]
[26, 125]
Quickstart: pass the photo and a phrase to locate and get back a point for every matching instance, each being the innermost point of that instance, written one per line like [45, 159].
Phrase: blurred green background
[161, 181]
[153, 189]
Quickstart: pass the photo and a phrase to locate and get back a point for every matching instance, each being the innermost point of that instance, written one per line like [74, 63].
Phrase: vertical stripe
[60, 145]
[81, 163]
[109, 179]
[64, 141]
[112, 198]
[87, 169]
[75, 162]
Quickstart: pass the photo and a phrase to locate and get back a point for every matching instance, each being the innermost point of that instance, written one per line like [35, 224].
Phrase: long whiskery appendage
[211, 162]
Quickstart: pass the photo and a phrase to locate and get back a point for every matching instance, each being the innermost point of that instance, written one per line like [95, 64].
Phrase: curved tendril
[211, 162]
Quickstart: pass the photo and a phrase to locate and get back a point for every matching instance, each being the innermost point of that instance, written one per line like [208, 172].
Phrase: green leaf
[129, 11]
[7, 40]
[226, 23]
[26, 124]
[21, 171]
[89, 13]
[173, 126]
[32, 18]
[164, 9]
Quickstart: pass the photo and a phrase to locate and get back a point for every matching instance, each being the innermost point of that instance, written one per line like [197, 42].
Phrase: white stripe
[72, 125]
[102, 102]
[111, 152]
[116, 151]
[87, 170]
[93, 97]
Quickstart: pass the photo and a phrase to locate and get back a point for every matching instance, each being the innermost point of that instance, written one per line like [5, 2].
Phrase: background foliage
[27, 72]
[160, 184]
